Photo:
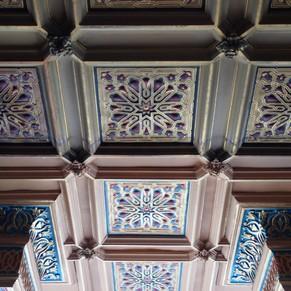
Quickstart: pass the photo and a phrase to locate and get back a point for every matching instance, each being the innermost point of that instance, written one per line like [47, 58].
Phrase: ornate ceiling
[145, 145]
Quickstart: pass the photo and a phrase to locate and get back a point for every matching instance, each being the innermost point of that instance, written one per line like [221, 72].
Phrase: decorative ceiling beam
[143, 254]
[145, 240]
[47, 173]
[148, 172]
[240, 173]
[274, 199]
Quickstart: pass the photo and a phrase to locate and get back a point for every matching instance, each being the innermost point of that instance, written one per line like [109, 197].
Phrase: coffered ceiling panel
[270, 115]
[146, 104]
[22, 114]
[145, 4]
[154, 276]
[146, 207]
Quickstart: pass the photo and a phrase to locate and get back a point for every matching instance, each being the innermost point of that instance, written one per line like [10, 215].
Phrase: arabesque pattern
[147, 276]
[270, 117]
[146, 104]
[149, 207]
[22, 116]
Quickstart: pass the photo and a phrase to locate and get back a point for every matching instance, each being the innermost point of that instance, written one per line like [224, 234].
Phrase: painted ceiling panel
[22, 116]
[146, 104]
[147, 276]
[11, 4]
[270, 116]
[145, 4]
[146, 207]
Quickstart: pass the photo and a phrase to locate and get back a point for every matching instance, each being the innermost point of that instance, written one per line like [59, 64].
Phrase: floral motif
[145, 3]
[146, 104]
[147, 276]
[257, 225]
[60, 45]
[45, 248]
[146, 207]
[11, 4]
[270, 117]
[22, 115]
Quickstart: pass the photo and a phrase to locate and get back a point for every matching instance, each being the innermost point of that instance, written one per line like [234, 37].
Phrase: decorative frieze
[147, 276]
[146, 207]
[37, 222]
[146, 104]
[231, 45]
[131, 4]
[22, 116]
[270, 116]
[257, 225]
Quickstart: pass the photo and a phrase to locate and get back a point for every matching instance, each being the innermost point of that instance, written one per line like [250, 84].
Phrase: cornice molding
[148, 172]
[47, 173]
[274, 199]
[107, 254]
[242, 173]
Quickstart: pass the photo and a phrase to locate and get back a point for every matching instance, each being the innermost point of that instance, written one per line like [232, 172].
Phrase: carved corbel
[77, 168]
[205, 252]
[231, 45]
[60, 45]
[216, 167]
[86, 250]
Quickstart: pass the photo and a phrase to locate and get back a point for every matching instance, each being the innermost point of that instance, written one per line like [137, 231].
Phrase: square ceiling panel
[22, 116]
[281, 4]
[11, 4]
[146, 104]
[145, 3]
[270, 115]
[151, 276]
[146, 207]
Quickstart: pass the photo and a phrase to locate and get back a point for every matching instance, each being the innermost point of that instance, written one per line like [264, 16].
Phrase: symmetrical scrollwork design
[146, 104]
[147, 276]
[11, 4]
[231, 45]
[60, 45]
[45, 248]
[21, 110]
[37, 222]
[17, 220]
[145, 3]
[146, 207]
[270, 117]
[257, 226]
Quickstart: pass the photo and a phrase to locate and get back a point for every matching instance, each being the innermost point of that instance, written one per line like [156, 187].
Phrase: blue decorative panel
[146, 104]
[22, 116]
[146, 207]
[270, 116]
[37, 221]
[147, 276]
[257, 225]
